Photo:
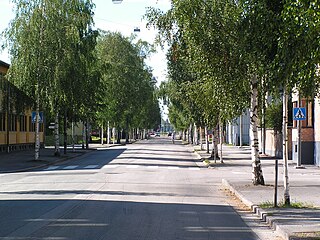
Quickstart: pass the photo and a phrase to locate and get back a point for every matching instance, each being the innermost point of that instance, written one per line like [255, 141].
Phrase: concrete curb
[261, 213]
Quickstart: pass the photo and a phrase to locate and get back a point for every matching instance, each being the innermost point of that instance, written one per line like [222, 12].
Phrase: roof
[4, 64]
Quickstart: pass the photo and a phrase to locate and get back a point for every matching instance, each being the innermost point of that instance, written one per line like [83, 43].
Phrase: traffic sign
[299, 114]
[34, 115]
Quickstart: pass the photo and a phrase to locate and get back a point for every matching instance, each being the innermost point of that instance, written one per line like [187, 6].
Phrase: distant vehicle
[157, 134]
[169, 134]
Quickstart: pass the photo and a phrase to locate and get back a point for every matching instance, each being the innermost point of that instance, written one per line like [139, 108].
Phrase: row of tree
[72, 70]
[225, 56]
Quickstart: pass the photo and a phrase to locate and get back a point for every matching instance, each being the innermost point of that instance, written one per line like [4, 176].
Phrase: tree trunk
[83, 134]
[214, 152]
[65, 133]
[72, 135]
[257, 176]
[195, 134]
[102, 134]
[56, 136]
[37, 142]
[221, 139]
[285, 148]
[108, 133]
[206, 136]
[191, 133]
[87, 134]
[118, 136]
[201, 144]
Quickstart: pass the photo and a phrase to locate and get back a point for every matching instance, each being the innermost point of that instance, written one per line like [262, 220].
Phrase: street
[147, 190]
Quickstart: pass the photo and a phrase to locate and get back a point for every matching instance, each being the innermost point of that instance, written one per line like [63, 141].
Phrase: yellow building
[17, 131]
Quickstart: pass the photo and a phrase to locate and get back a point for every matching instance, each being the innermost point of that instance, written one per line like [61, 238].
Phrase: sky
[122, 17]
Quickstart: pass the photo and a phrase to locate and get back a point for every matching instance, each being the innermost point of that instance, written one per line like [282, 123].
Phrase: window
[2, 121]
[32, 126]
[309, 109]
[12, 123]
[23, 123]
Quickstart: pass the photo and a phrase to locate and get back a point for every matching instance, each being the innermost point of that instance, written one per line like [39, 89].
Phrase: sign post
[34, 117]
[299, 114]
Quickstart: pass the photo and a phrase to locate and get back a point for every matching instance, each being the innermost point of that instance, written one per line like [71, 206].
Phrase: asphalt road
[150, 190]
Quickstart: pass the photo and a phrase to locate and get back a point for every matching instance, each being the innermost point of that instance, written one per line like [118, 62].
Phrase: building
[17, 131]
[240, 127]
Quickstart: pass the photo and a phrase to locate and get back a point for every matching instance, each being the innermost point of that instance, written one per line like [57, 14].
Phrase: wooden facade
[17, 131]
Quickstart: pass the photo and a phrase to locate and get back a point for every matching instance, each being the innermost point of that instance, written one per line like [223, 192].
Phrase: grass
[296, 205]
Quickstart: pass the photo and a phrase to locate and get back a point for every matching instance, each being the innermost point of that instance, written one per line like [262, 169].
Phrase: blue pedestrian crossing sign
[299, 114]
[34, 115]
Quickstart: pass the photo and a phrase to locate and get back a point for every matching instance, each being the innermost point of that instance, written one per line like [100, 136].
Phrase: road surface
[150, 190]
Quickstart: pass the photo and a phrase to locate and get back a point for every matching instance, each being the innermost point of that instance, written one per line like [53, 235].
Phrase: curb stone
[261, 213]
[269, 218]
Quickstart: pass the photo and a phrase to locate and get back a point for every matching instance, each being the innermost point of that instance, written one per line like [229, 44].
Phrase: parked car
[157, 134]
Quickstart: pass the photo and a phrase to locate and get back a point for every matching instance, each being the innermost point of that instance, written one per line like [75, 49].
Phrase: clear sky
[122, 17]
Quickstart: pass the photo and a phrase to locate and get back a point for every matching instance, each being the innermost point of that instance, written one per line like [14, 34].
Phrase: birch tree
[43, 37]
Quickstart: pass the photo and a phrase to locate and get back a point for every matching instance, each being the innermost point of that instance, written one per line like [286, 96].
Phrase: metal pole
[240, 123]
[276, 169]
[299, 136]
[8, 117]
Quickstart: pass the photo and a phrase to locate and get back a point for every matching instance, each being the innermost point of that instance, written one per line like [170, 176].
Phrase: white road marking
[193, 168]
[111, 166]
[91, 166]
[70, 167]
[152, 167]
[52, 168]
[132, 166]
[172, 168]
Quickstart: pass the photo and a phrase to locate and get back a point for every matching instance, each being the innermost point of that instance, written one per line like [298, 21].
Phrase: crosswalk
[113, 166]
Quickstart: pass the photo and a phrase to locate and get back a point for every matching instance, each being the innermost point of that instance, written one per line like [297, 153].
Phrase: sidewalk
[290, 223]
[20, 161]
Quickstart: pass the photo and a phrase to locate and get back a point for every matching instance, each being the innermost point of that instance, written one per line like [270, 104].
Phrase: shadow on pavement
[119, 220]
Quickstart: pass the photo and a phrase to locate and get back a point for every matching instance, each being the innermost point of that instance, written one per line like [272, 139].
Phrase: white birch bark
[56, 136]
[207, 138]
[83, 135]
[37, 142]
[108, 133]
[201, 144]
[285, 148]
[221, 139]
[102, 133]
[257, 176]
[195, 134]
[72, 135]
